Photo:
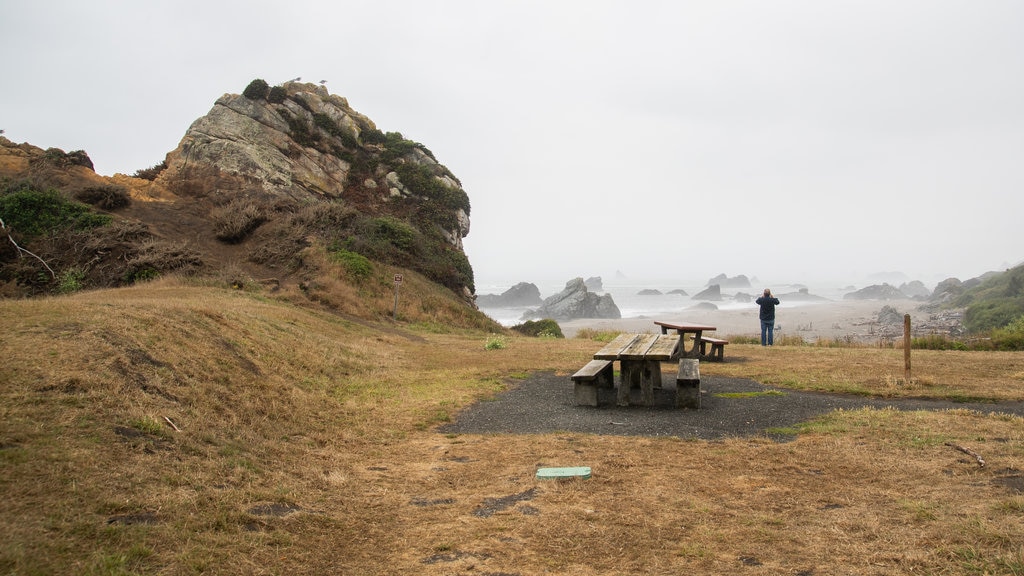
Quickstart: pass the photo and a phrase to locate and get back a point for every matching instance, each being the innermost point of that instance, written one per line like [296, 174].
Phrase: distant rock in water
[704, 306]
[801, 295]
[649, 292]
[522, 294]
[594, 284]
[575, 301]
[724, 281]
[876, 292]
[713, 292]
[743, 297]
[679, 291]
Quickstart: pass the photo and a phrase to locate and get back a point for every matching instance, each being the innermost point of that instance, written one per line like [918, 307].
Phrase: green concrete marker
[569, 472]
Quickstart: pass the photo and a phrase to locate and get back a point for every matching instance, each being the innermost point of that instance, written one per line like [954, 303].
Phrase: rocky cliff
[264, 175]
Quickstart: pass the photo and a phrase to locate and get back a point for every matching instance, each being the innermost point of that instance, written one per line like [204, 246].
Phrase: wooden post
[906, 347]
[398, 282]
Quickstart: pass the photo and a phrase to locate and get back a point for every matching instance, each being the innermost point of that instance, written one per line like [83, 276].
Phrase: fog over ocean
[634, 305]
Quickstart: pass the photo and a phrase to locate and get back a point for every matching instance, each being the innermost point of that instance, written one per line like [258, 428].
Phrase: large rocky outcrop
[263, 176]
[575, 301]
[298, 143]
[306, 146]
[521, 295]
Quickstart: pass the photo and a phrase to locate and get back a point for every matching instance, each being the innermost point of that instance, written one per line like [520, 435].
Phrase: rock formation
[263, 176]
[575, 301]
[594, 284]
[801, 295]
[876, 292]
[915, 289]
[724, 281]
[713, 292]
[522, 294]
[297, 143]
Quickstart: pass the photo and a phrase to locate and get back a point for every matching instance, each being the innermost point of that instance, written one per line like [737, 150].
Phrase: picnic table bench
[700, 342]
[717, 348]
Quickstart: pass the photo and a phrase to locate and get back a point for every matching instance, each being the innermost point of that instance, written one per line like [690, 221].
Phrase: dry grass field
[172, 428]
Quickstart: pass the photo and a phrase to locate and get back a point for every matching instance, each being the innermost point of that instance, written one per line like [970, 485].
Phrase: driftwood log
[969, 452]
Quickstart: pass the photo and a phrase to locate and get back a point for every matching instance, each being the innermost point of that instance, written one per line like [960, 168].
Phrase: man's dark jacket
[767, 304]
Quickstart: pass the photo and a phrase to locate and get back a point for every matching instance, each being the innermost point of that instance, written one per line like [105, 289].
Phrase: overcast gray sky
[794, 141]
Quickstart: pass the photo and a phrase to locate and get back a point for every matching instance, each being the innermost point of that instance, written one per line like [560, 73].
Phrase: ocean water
[634, 305]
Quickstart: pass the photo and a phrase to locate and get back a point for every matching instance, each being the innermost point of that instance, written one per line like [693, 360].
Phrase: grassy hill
[185, 427]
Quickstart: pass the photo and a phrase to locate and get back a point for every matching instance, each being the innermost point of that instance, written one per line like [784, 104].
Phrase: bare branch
[22, 251]
[969, 452]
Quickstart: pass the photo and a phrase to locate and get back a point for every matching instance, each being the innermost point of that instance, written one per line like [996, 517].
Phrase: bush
[70, 280]
[105, 197]
[358, 266]
[546, 328]
[236, 220]
[1010, 337]
[34, 213]
[152, 172]
[277, 95]
[373, 136]
[156, 257]
[301, 132]
[256, 90]
[325, 123]
[495, 342]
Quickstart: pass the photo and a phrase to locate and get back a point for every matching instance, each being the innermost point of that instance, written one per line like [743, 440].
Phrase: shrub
[358, 266]
[327, 124]
[105, 197]
[277, 95]
[495, 342]
[546, 328]
[373, 136]
[256, 90]
[152, 172]
[234, 221]
[156, 257]
[70, 280]
[301, 132]
[34, 213]
[1010, 337]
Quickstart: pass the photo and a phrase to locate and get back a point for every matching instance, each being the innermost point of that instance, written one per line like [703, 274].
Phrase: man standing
[767, 302]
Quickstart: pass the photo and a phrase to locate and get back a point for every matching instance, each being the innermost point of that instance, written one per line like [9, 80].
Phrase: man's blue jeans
[767, 332]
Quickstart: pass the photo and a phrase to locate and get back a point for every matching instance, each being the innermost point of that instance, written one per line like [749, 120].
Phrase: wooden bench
[596, 374]
[717, 348]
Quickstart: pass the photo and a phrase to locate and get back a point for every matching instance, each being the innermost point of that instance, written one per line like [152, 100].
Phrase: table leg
[632, 377]
[694, 351]
[651, 380]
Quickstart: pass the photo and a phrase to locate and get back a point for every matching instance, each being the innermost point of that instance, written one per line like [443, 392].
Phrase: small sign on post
[907, 342]
[398, 282]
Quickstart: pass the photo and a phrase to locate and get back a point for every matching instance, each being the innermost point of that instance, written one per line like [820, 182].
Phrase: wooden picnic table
[682, 329]
[640, 357]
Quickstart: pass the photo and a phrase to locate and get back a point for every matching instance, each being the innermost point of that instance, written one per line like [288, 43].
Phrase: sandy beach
[825, 319]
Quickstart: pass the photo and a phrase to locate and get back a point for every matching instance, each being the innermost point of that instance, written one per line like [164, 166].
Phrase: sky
[642, 141]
